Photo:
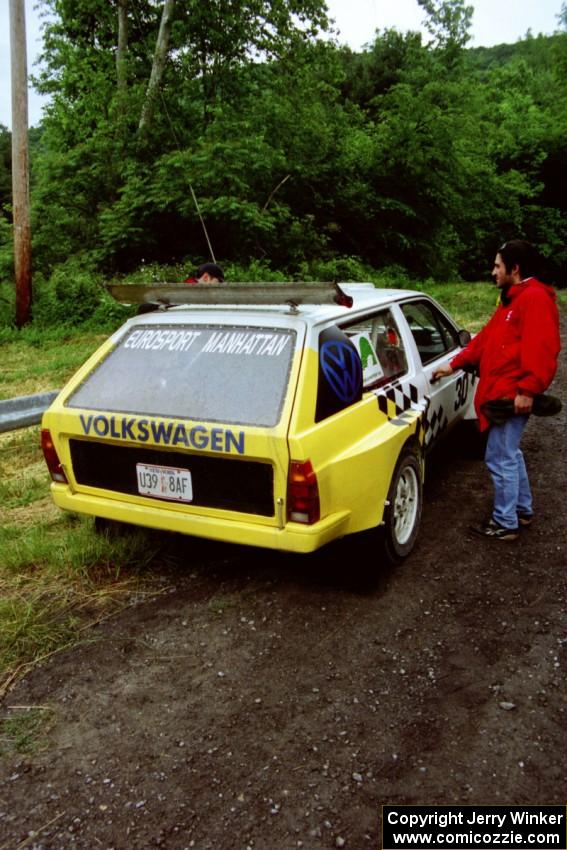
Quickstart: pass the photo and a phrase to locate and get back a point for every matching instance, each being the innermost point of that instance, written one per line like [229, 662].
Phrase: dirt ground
[271, 702]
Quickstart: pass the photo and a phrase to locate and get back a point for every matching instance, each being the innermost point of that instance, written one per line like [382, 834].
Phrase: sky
[494, 22]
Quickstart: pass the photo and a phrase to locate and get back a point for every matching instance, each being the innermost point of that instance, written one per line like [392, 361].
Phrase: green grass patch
[23, 477]
[24, 730]
[33, 362]
[57, 576]
[28, 488]
[470, 304]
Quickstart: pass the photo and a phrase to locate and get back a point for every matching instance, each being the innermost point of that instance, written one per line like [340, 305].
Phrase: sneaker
[492, 530]
[525, 519]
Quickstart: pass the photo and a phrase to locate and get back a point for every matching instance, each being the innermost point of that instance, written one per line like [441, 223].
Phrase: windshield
[204, 372]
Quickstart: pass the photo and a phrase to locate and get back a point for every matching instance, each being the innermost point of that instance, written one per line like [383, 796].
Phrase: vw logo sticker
[341, 366]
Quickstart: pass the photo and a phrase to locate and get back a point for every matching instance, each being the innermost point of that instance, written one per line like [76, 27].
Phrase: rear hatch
[190, 414]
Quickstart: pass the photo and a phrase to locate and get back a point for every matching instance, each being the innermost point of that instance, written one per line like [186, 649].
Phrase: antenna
[193, 195]
[202, 221]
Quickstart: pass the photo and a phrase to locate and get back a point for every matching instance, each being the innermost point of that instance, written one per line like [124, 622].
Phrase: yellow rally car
[278, 415]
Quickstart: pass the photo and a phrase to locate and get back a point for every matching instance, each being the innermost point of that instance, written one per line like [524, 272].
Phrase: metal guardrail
[24, 411]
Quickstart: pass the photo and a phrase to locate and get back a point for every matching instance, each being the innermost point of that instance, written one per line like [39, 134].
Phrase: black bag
[500, 410]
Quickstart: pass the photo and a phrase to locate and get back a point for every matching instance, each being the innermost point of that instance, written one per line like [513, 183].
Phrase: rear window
[237, 375]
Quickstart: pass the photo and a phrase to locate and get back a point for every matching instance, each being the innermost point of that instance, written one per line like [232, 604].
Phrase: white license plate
[164, 482]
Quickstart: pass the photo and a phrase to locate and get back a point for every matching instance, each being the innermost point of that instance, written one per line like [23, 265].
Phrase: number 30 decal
[462, 390]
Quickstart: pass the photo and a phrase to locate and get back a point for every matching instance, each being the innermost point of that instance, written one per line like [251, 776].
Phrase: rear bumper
[293, 537]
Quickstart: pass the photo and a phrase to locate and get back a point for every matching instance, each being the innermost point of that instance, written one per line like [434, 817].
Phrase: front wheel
[403, 511]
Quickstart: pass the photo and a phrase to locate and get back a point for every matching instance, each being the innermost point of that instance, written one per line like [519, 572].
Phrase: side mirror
[464, 338]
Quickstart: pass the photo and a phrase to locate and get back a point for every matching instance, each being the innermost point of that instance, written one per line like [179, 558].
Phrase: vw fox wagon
[281, 416]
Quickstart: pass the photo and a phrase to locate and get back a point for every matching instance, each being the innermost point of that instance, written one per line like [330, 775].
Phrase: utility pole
[20, 162]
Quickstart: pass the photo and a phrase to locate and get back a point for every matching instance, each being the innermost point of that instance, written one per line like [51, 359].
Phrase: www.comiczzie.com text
[463, 827]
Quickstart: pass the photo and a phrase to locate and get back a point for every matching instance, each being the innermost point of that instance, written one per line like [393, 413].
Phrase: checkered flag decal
[397, 400]
[435, 423]
[402, 405]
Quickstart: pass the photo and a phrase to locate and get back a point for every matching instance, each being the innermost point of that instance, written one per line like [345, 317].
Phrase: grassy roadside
[33, 362]
[57, 577]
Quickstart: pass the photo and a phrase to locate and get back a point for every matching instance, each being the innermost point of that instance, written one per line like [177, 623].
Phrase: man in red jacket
[516, 355]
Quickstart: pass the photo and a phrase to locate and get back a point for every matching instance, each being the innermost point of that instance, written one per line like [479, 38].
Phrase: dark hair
[212, 269]
[518, 252]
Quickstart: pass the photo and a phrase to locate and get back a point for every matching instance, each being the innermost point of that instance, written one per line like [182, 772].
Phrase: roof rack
[172, 294]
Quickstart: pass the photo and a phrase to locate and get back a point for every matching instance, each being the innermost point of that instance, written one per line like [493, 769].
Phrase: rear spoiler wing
[172, 294]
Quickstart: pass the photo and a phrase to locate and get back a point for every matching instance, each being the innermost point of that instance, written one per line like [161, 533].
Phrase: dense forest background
[296, 154]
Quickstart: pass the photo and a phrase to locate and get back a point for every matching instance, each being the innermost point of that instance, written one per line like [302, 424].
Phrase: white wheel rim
[406, 503]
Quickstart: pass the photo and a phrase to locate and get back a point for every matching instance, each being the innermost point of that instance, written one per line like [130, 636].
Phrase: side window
[339, 382]
[432, 332]
[379, 344]
[361, 355]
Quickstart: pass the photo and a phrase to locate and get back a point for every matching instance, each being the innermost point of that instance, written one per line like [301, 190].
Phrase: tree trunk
[121, 77]
[160, 58]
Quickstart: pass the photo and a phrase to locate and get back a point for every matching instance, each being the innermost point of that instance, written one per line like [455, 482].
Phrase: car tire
[402, 515]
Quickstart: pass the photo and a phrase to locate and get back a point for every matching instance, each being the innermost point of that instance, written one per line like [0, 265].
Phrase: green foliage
[6, 265]
[5, 168]
[336, 269]
[73, 296]
[70, 295]
[155, 273]
[449, 22]
[258, 271]
[291, 152]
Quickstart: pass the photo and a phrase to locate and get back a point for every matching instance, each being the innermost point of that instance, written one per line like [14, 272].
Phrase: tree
[449, 23]
[158, 65]
[122, 47]
[373, 72]
[412, 154]
[91, 162]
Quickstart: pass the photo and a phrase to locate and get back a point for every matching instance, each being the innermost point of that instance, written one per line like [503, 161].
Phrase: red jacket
[517, 350]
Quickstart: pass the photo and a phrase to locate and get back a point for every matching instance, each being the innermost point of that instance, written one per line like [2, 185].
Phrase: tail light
[51, 458]
[302, 493]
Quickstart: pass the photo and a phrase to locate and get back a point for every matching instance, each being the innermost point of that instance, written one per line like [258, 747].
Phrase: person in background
[516, 355]
[207, 273]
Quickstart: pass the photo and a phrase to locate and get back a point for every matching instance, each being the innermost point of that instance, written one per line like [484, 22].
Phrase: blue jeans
[505, 461]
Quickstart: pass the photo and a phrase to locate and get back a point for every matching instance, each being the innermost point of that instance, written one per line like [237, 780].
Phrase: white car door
[436, 339]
